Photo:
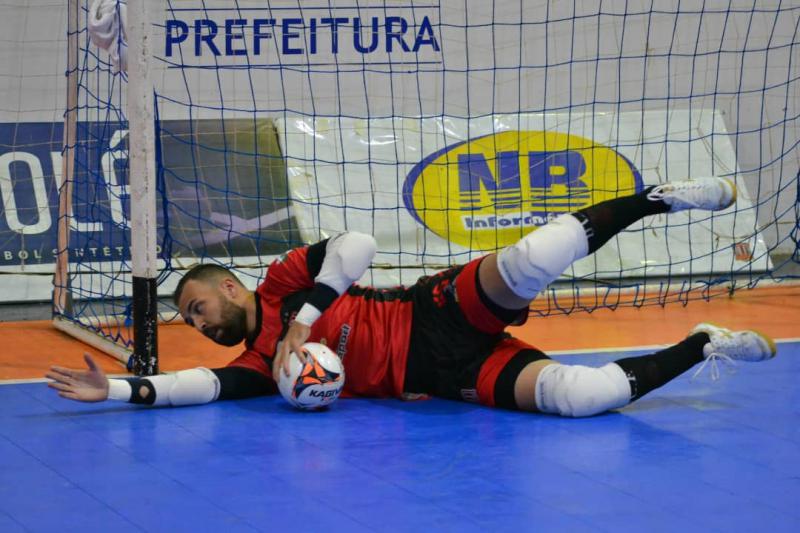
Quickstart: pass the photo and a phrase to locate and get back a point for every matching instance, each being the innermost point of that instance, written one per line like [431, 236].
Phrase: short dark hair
[206, 273]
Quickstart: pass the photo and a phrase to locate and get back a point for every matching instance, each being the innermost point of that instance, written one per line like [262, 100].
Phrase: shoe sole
[773, 348]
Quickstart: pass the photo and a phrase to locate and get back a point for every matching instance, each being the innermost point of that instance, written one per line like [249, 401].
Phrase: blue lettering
[474, 171]
[259, 35]
[425, 36]
[334, 22]
[556, 168]
[287, 36]
[230, 37]
[313, 40]
[392, 35]
[299, 35]
[178, 37]
[358, 37]
[209, 39]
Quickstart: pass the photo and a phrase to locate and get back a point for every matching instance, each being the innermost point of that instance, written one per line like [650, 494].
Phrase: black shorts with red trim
[459, 349]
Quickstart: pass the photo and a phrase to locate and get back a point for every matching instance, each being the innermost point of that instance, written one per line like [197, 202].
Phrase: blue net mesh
[449, 130]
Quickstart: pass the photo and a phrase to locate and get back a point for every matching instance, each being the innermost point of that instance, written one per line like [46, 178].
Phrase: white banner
[444, 190]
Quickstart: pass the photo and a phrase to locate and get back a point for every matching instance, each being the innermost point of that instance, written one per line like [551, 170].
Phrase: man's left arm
[335, 264]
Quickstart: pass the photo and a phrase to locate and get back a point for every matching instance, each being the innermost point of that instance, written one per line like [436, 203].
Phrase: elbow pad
[187, 387]
[347, 257]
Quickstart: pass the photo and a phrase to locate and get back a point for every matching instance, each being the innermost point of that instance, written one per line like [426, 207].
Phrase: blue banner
[222, 191]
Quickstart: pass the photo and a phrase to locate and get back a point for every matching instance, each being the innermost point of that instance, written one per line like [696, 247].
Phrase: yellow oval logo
[488, 192]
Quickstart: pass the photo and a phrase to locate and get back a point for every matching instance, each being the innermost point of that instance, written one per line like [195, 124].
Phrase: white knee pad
[575, 390]
[537, 259]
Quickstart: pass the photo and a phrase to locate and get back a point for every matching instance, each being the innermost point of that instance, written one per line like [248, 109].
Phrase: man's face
[209, 308]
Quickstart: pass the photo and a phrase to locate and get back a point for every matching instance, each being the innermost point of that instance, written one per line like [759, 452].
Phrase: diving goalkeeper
[443, 336]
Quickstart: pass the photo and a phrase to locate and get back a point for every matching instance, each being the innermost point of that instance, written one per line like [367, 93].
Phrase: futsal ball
[315, 383]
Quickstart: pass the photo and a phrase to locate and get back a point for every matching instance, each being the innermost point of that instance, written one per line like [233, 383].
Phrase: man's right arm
[191, 387]
[186, 387]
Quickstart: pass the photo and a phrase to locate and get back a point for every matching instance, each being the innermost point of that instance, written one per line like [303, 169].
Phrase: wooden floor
[29, 348]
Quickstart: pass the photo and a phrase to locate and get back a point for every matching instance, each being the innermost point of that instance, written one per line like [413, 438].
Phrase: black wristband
[148, 398]
[322, 296]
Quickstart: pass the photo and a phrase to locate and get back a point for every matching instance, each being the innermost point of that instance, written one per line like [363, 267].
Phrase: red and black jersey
[439, 337]
[368, 328]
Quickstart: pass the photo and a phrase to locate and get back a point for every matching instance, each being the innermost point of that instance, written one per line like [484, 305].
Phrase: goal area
[229, 132]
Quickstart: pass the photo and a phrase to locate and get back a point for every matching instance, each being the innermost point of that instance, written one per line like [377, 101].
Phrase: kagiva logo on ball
[488, 192]
[315, 383]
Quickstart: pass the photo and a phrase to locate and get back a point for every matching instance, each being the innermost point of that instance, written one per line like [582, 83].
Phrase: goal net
[447, 129]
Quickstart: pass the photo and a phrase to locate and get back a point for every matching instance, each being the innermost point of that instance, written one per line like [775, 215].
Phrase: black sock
[604, 220]
[649, 372]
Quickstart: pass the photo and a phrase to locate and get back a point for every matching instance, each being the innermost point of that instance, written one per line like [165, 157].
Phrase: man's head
[212, 299]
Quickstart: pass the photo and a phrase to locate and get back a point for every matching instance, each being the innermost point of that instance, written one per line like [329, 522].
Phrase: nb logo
[488, 192]
[546, 172]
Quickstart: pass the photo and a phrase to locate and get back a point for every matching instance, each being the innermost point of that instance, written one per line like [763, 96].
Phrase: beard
[233, 325]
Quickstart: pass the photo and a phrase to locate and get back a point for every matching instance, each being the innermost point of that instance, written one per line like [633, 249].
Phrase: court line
[588, 351]
[45, 380]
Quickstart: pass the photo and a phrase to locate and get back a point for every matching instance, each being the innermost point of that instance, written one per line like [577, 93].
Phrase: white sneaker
[729, 346]
[712, 194]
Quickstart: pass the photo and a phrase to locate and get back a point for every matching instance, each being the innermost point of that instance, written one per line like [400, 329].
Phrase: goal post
[447, 129]
[142, 164]
[140, 352]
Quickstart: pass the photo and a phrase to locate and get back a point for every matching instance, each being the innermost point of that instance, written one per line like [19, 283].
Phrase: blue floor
[693, 456]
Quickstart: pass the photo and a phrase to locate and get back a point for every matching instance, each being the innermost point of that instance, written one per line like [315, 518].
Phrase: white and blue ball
[315, 383]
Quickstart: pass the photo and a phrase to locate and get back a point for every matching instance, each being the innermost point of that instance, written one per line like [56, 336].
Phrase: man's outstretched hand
[81, 385]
